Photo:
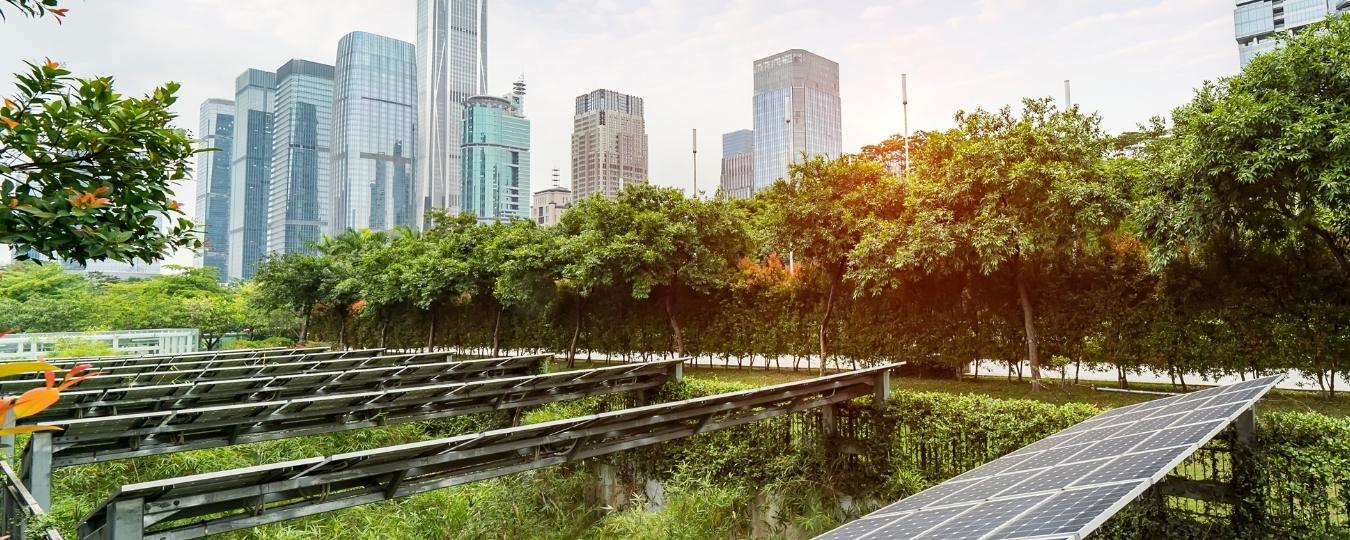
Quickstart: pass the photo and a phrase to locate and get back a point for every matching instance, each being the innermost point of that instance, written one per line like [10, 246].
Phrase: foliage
[88, 174]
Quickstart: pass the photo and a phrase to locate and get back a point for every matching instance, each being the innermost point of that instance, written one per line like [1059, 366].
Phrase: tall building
[496, 157]
[451, 67]
[1257, 22]
[609, 143]
[215, 131]
[738, 163]
[374, 133]
[251, 171]
[300, 191]
[797, 112]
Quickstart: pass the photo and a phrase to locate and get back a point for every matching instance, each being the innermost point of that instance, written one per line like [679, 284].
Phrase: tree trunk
[384, 330]
[342, 331]
[304, 327]
[674, 324]
[825, 320]
[496, 332]
[576, 333]
[1029, 323]
[431, 327]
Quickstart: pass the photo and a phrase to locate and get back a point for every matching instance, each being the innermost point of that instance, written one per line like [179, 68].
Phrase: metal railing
[21, 510]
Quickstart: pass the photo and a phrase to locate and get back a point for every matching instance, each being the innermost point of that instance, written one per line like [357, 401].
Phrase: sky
[690, 60]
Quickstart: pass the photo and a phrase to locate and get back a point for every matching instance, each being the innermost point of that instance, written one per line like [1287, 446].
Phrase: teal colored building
[495, 157]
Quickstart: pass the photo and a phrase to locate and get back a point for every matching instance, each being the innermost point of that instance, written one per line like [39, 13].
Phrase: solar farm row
[200, 505]
[1065, 486]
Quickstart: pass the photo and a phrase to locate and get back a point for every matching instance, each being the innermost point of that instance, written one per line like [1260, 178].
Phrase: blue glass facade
[738, 163]
[216, 130]
[496, 159]
[796, 112]
[298, 203]
[1256, 23]
[251, 171]
[374, 133]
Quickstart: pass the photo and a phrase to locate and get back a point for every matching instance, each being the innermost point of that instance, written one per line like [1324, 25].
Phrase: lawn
[1085, 392]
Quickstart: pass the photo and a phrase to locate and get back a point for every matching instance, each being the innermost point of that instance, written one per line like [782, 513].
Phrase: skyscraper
[1257, 22]
[738, 163]
[496, 157]
[451, 67]
[213, 184]
[253, 92]
[298, 202]
[374, 133]
[609, 143]
[796, 107]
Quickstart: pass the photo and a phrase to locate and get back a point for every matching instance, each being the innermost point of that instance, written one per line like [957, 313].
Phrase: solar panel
[1068, 484]
[213, 503]
[123, 360]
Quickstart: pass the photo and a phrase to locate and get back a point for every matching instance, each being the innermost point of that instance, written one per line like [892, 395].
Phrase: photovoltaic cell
[980, 520]
[1065, 513]
[1064, 486]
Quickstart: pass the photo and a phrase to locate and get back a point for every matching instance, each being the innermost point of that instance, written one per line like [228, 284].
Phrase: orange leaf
[51, 64]
[9, 104]
[27, 429]
[11, 369]
[35, 401]
[9, 122]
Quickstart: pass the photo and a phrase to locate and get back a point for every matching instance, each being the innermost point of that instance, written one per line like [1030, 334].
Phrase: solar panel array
[170, 358]
[1068, 484]
[212, 503]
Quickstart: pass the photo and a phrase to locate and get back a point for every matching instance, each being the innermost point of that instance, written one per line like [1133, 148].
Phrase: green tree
[818, 213]
[1262, 156]
[295, 281]
[86, 173]
[1003, 195]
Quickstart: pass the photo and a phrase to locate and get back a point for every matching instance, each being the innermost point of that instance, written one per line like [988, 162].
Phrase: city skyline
[689, 60]
[451, 67]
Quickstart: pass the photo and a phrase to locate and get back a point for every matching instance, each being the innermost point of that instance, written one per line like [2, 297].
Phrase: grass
[998, 387]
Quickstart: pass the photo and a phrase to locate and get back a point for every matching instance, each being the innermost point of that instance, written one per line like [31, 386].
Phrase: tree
[651, 238]
[295, 281]
[818, 212]
[1002, 195]
[1261, 156]
[86, 173]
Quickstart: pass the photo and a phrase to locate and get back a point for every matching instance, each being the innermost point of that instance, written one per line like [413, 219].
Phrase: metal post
[125, 520]
[1246, 426]
[8, 440]
[695, 163]
[881, 390]
[39, 469]
[1067, 101]
[677, 372]
[904, 104]
[829, 422]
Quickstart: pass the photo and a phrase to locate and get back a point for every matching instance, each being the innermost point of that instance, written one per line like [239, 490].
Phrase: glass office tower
[1256, 23]
[252, 169]
[297, 206]
[738, 163]
[496, 157]
[797, 112]
[215, 131]
[451, 67]
[374, 133]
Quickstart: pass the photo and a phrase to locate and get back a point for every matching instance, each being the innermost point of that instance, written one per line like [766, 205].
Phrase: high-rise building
[797, 112]
[496, 157]
[738, 163]
[251, 171]
[1257, 22]
[216, 132]
[300, 191]
[609, 143]
[374, 133]
[451, 67]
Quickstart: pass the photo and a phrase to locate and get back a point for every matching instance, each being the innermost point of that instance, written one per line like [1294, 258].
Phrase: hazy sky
[689, 59]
